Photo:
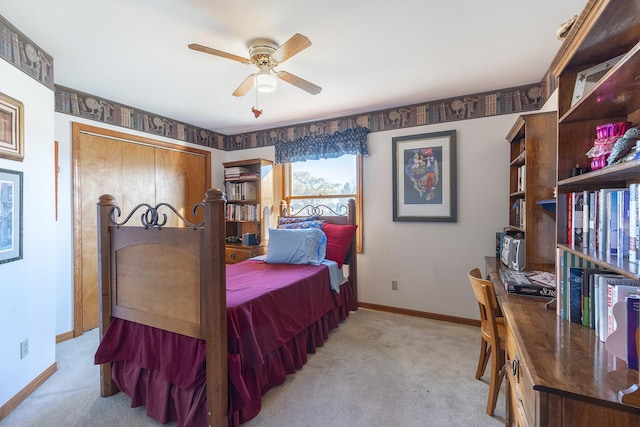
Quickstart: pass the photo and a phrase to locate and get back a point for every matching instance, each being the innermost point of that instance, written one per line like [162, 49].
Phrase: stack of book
[529, 282]
[238, 172]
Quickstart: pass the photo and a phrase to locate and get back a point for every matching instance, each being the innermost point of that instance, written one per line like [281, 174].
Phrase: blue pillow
[303, 224]
[295, 219]
[296, 246]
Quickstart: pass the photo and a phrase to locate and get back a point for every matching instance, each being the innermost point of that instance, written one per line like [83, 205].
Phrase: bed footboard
[169, 278]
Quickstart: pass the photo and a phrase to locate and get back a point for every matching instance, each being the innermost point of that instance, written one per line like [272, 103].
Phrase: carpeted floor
[376, 369]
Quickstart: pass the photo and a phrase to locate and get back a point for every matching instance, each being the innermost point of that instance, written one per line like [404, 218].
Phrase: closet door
[175, 184]
[134, 170]
[105, 166]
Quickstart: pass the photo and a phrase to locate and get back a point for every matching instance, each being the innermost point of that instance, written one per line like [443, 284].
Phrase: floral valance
[323, 146]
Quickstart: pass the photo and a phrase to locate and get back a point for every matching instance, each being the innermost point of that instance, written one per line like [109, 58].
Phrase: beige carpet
[377, 369]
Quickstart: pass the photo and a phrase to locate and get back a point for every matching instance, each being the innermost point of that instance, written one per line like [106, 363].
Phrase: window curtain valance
[324, 146]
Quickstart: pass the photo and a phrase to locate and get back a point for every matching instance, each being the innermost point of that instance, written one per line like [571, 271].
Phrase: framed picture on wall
[10, 215]
[11, 128]
[424, 177]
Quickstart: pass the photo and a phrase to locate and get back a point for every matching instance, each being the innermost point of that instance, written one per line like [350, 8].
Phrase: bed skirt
[165, 401]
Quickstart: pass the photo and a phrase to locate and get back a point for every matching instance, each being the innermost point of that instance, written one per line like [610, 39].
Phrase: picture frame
[424, 177]
[11, 128]
[10, 215]
[588, 78]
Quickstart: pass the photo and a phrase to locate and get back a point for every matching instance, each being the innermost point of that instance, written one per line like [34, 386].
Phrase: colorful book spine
[575, 297]
[633, 222]
[633, 322]
[585, 218]
[577, 221]
[623, 223]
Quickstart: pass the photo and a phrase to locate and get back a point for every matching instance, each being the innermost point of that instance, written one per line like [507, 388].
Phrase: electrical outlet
[394, 285]
[24, 349]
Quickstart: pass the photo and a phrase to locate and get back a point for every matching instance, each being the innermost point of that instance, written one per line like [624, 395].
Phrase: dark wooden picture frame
[424, 177]
[11, 128]
[10, 215]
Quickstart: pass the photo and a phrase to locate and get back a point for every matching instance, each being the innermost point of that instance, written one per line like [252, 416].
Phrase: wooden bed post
[214, 309]
[106, 203]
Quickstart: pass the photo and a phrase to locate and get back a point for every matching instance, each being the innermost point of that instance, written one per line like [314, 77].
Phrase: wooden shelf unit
[558, 372]
[258, 174]
[532, 142]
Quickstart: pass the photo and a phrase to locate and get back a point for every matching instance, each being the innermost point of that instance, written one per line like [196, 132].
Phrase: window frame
[288, 197]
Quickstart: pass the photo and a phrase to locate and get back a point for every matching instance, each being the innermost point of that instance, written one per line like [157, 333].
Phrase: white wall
[430, 260]
[27, 286]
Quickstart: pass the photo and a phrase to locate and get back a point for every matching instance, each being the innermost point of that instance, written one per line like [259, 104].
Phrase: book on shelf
[623, 223]
[633, 323]
[577, 213]
[587, 296]
[529, 282]
[619, 293]
[605, 204]
[575, 295]
[634, 218]
[611, 227]
[593, 220]
[585, 218]
[604, 295]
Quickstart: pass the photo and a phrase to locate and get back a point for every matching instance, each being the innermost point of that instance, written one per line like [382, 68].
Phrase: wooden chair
[493, 333]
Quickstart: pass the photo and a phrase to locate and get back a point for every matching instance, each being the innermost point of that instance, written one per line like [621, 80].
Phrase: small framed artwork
[11, 128]
[587, 79]
[424, 177]
[10, 215]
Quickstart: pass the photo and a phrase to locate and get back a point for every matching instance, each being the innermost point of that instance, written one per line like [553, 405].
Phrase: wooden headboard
[169, 278]
[343, 215]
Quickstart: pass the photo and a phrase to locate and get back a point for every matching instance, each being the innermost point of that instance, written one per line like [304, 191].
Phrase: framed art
[424, 177]
[10, 215]
[11, 128]
[587, 79]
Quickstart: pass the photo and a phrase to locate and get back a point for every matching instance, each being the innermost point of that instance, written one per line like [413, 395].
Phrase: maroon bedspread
[276, 314]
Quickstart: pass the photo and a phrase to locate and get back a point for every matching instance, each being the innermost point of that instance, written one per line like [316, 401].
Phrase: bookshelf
[249, 207]
[607, 29]
[559, 372]
[532, 178]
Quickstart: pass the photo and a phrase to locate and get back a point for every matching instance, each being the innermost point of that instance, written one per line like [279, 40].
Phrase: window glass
[330, 182]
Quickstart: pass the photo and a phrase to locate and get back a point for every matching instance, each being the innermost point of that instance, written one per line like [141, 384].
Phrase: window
[329, 182]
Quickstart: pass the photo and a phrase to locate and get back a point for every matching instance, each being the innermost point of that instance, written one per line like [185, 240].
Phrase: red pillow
[339, 239]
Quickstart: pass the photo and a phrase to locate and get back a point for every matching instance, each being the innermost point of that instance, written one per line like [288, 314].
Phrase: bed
[169, 307]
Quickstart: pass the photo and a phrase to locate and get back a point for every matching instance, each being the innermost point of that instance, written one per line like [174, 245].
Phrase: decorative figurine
[623, 145]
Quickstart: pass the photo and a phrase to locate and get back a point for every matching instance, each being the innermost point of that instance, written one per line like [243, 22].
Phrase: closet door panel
[97, 172]
[180, 181]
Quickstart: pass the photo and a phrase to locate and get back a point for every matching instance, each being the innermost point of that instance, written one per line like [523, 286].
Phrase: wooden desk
[559, 373]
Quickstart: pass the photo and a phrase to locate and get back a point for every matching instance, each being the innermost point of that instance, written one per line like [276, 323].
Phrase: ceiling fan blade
[245, 86]
[294, 45]
[298, 82]
[217, 52]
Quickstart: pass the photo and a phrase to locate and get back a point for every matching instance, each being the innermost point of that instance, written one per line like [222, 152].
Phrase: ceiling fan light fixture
[265, 82]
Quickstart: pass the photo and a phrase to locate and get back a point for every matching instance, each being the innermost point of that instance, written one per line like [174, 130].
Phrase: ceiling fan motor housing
[260, 51]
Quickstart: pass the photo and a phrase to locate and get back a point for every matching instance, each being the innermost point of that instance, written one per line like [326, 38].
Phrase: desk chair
[493, 334]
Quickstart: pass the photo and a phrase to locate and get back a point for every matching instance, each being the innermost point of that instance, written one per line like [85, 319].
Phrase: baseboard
[25, 392]
[65, 336]
[423, 314]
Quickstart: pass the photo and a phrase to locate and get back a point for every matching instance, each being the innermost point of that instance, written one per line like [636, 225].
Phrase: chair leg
[497, 373]
[485, 351]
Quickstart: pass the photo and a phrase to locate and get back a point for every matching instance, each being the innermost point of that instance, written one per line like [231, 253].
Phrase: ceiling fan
[266, 55]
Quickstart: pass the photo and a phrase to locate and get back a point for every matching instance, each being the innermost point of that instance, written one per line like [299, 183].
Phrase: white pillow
[296, 246]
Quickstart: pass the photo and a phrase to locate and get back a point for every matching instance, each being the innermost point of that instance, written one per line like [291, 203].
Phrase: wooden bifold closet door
[133, 170]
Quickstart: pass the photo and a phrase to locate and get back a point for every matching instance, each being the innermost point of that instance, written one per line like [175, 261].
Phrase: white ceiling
[367, 55]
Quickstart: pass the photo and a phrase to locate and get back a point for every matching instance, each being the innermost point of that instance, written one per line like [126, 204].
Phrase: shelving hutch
[532, 178]
[249, 208]
[559, 372]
